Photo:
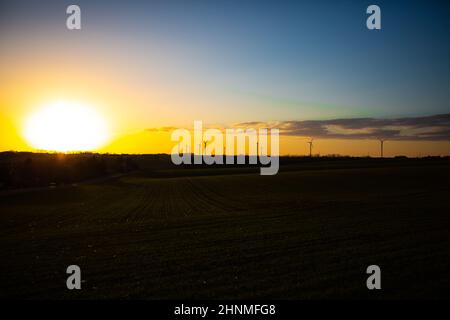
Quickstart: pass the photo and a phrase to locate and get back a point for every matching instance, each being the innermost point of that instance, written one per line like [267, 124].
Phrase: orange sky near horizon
[144, 142]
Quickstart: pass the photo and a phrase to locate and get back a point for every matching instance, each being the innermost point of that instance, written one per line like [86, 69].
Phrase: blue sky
[270, 60]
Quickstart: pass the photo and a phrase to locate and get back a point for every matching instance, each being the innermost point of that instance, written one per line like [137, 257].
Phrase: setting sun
[66, 126]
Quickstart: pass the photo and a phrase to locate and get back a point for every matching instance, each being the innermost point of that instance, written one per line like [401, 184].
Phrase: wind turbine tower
[381, 147]
[310, 147]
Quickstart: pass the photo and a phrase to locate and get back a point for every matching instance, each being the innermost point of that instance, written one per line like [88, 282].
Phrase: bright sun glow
[66, 126]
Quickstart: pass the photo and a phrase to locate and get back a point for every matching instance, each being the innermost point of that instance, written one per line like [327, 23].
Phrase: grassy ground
[299, 234]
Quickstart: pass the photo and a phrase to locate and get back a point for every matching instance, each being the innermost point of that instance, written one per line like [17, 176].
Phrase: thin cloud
[161, 129]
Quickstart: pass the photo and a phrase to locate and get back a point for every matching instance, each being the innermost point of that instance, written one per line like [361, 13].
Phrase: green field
[299, 234]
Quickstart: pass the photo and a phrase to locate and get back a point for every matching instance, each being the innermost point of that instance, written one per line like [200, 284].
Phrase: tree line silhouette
[23, 169]
[27, 169]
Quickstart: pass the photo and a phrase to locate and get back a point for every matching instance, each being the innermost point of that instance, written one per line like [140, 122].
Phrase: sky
[151, 64]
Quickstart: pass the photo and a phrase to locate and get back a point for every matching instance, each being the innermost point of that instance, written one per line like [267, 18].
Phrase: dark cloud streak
[432, 128]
